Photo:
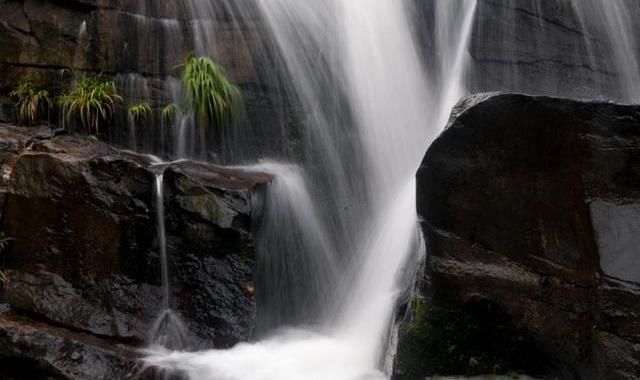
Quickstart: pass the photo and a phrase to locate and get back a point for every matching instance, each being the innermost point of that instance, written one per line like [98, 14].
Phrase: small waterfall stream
[168, 330]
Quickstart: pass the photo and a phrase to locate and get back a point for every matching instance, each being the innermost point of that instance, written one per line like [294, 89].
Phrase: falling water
[615, 21]
[162, 239]
[569, 48]
[168, 330]
[297, 270]
[371, 113]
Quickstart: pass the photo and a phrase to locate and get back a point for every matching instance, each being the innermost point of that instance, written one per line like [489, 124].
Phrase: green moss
[473, 341]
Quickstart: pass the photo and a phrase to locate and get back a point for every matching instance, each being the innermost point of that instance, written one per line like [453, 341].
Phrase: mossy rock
[475, 340]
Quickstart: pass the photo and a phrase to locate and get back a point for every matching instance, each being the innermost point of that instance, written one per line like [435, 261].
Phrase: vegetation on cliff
[31, 103]
[208, 93]
[91, 100]
[140, 113]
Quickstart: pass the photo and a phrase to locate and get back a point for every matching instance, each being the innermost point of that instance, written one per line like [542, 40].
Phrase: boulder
[85, 254]
[530, 209]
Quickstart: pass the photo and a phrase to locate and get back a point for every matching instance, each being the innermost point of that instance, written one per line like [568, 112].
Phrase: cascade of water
[371, 113]
[297, 270]
[454, 21]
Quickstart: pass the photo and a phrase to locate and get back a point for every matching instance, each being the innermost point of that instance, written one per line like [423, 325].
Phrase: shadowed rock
[85, 255]
[529, 206]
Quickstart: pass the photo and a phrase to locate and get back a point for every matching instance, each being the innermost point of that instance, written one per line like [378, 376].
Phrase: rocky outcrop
[34, 350]
[530, 209]
[84, 258]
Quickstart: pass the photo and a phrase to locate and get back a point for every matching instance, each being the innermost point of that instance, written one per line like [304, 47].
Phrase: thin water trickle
[168, 330]
[162, 240]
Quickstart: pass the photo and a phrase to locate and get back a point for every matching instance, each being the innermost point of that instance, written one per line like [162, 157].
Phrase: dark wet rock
[209, 225]
[529, 206]
[36, 350]
[85, 255]
[13, 140]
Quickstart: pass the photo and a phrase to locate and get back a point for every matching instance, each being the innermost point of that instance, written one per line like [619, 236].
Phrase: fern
[140, 113]
[208, 92]
[170, 112]
[92, 100]
[31, 102]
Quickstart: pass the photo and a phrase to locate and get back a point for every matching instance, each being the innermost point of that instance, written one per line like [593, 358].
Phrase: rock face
[560, 48]
[541, 47]
[530, 209]
[557, 47]
[85, 252]
[139, 44]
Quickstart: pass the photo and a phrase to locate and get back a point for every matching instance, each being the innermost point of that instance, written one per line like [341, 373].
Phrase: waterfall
[339, 224]
[297, 269]
[341, 227]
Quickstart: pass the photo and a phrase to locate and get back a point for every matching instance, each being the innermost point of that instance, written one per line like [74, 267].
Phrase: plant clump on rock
[209, 94]
[170, 112]
[31, 103]
[140, 113]
[91, 100]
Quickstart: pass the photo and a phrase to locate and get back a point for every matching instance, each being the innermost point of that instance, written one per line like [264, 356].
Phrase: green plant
[208, 92]
[30, 102]
[66, 73]
[140, 113]
[170, 112]
[92, 100]
[4, 244]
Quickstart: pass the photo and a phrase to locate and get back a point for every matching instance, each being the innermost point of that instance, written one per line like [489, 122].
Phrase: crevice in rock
[533, 62]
